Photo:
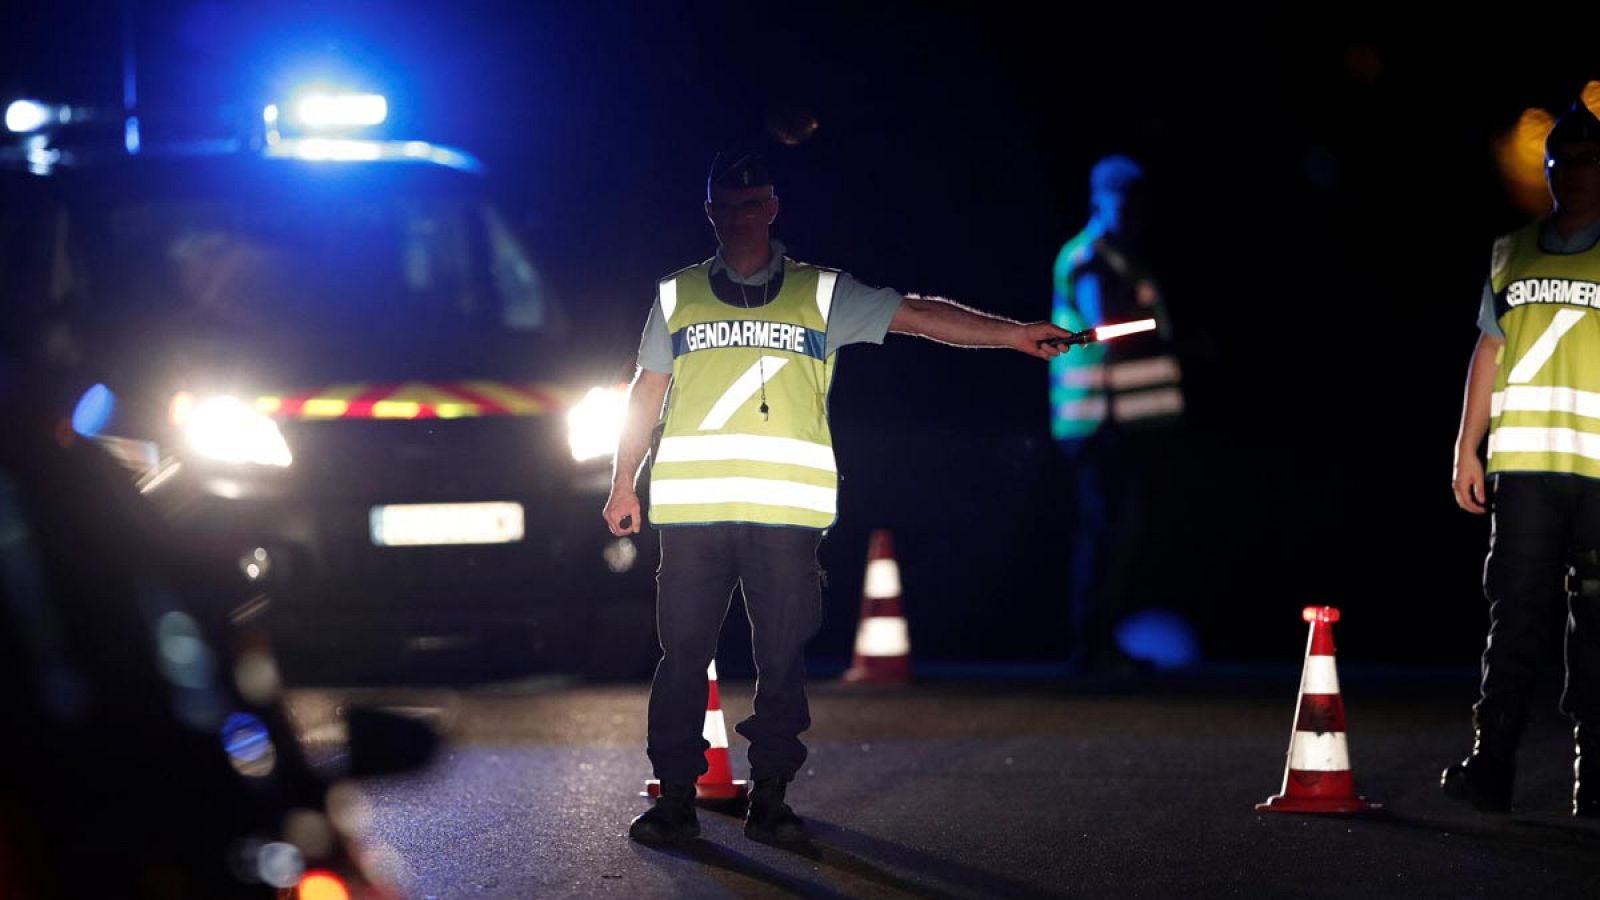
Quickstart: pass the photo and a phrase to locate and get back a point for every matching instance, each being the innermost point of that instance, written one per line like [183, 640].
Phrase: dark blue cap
[1577, 125]
[738, 170]
[1115, 174]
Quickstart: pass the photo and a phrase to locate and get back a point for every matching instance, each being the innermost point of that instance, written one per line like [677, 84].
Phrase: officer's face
[742, 215]
[1574, 174]
[1123, 213]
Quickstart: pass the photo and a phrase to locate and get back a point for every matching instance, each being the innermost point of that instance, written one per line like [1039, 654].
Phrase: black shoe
[1483, 781]
[671, 820]
[769, 819]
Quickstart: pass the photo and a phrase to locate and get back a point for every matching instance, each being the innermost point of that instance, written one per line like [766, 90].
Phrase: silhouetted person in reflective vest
[1115, 408]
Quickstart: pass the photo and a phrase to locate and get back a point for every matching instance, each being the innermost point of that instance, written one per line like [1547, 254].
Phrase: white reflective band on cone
[1546, 399]
[768, 491]
[883, 636]
[1320, 676]
[716, 732]
[762, 448]
[1544, 440]
[1313, 752]
[883, 579]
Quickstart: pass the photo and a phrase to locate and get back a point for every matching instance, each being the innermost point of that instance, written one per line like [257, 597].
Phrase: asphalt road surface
[981, 787]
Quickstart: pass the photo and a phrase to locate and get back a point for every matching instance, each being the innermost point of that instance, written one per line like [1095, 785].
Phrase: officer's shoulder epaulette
[1500, 254]
[791, 261]
[1506, 244]
[689, 268]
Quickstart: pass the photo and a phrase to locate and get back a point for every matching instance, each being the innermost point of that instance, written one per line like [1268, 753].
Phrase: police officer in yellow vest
[1114, 409]
[1534, 390]
[743, 480]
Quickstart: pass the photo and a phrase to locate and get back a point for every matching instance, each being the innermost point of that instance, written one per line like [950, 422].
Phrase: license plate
[423, 524]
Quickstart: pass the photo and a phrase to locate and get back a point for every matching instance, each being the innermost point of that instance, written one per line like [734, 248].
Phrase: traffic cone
[1317, 778]
[717, 783]
[883, 645]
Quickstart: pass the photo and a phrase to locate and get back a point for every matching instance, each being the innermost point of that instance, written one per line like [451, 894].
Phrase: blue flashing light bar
[358, 150]
[321, 111]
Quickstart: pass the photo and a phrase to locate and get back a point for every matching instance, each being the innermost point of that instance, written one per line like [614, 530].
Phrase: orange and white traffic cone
[717, 784]
[1317, 778]
[883, 644]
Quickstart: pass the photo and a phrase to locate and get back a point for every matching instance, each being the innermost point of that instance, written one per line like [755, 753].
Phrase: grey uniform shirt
[1550, 241]
[859, 314]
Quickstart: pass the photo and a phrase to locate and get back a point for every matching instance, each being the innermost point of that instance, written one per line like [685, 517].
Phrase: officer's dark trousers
[1126, 492]
[1538, 521]
[700, 567]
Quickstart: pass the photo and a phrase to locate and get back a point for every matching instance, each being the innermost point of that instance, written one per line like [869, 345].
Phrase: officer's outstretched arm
[948, 322]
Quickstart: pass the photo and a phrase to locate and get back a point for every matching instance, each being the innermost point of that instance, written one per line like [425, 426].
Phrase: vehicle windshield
[287, 254]
[290, 262]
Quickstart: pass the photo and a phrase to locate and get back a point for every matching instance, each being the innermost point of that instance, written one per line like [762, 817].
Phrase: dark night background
[1327, 195]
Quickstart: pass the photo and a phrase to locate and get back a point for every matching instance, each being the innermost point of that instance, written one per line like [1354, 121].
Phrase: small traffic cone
[717, 783]
[1317, 778]
[883, 645]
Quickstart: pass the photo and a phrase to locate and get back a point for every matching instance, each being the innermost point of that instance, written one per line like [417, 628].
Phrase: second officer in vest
[743, 482]
[1116, 411]
[1533, 389]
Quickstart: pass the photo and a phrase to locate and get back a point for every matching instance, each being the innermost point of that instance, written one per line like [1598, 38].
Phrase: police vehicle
[329, 359]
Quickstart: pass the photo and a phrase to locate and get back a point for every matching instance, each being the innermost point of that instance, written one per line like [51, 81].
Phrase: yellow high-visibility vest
[1545, 414]
[721, 459]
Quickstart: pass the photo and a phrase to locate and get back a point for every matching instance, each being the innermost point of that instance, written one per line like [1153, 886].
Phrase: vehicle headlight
[595, 423]
[229, 430]
[23, 116]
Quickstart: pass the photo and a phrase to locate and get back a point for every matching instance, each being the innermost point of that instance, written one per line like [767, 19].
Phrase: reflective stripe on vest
[720, 459]
[1124, 376]
[1545, 409]
[1141, 405]
[712, 447]
[1139, 390]
[1554, 441]
[1546, 399]
[1143, 373]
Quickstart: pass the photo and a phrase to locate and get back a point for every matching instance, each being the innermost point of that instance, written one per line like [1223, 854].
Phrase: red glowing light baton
[1104, 333]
